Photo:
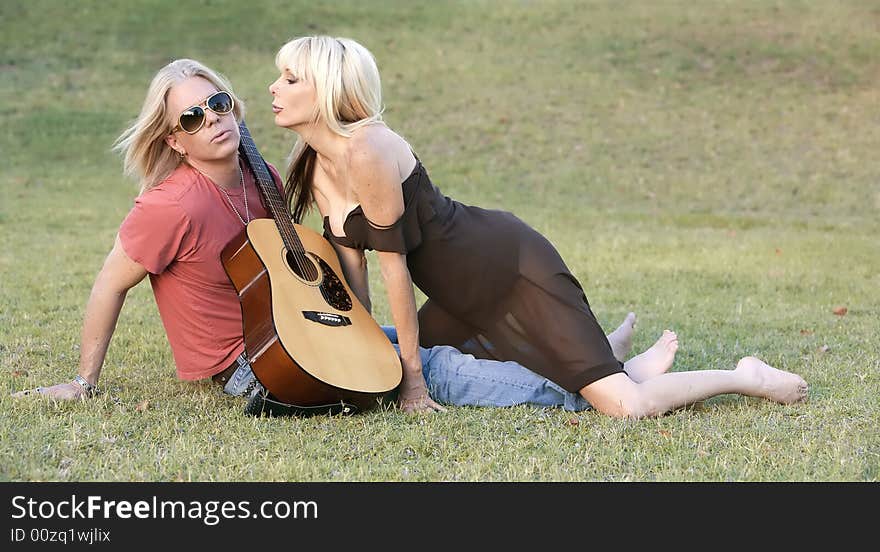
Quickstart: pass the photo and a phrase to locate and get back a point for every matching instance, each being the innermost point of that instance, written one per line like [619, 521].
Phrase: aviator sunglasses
[192, 118]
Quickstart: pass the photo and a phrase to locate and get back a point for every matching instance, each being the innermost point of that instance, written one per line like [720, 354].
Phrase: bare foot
[762, 380]
[655, 361]
[621, 338]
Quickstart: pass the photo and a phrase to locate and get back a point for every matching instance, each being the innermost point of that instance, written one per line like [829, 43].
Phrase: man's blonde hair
[148, 157]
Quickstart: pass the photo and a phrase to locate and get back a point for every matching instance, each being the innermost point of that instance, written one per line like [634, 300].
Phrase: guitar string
[306, 268]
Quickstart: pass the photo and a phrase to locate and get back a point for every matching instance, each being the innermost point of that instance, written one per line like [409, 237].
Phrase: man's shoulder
[175, 191]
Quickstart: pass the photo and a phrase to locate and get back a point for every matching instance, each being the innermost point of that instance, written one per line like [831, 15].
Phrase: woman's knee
[620, 397]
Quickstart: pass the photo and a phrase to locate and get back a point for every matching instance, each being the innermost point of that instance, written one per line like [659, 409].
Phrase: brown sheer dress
[496, 288]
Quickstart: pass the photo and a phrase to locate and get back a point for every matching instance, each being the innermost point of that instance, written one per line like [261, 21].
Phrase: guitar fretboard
[275, 203]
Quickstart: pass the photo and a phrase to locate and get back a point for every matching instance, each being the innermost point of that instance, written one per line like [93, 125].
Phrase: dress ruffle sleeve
[404, 235]
[401, 237]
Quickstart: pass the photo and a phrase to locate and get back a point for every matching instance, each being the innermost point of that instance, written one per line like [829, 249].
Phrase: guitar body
[310, 342]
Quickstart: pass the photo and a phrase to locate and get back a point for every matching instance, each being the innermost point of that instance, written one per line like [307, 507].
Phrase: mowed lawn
[710, 166]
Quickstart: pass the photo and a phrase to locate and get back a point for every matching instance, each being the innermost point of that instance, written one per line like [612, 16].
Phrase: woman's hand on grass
[413, 397]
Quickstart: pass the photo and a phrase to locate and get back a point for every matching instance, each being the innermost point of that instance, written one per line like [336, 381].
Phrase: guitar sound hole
[304, 268]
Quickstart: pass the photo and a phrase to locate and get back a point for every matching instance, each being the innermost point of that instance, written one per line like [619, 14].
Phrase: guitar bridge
[327, 318]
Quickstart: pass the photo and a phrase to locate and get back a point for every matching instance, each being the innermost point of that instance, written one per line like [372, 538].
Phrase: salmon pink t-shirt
[177, 231]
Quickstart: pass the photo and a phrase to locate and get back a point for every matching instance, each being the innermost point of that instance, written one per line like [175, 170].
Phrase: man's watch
[91, 390]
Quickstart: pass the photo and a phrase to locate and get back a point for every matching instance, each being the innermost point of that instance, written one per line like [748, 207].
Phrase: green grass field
[710, 166]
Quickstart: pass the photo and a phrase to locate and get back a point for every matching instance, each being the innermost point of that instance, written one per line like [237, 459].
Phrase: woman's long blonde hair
[148, 157]
[349, 96]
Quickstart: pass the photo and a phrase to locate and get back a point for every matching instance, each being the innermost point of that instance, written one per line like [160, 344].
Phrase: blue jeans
[458, 379]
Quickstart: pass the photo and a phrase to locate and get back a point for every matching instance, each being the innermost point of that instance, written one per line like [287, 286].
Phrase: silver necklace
[244, 192]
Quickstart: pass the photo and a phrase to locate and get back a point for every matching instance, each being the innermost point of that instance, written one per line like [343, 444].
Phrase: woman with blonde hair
[496, 288]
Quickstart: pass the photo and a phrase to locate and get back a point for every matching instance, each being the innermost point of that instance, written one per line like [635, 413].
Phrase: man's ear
[172, 142]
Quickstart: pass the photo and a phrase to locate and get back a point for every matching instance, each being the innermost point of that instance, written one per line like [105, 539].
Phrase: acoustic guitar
[309, 340]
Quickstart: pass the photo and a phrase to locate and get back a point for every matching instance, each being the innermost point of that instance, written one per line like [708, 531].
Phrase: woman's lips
[222, 136]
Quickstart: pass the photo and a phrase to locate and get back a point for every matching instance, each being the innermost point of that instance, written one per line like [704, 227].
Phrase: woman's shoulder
[377, 148]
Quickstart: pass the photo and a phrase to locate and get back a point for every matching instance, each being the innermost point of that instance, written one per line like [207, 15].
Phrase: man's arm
[117, 276]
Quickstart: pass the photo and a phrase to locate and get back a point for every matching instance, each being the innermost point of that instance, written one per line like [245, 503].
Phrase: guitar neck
[264, 180]
[266, 184]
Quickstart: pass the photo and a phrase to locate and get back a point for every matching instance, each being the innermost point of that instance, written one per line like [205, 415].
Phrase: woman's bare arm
[375, 177]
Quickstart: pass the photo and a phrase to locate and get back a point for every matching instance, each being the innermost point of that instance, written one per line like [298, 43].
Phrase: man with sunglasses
[192, 119]
[195, 198]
